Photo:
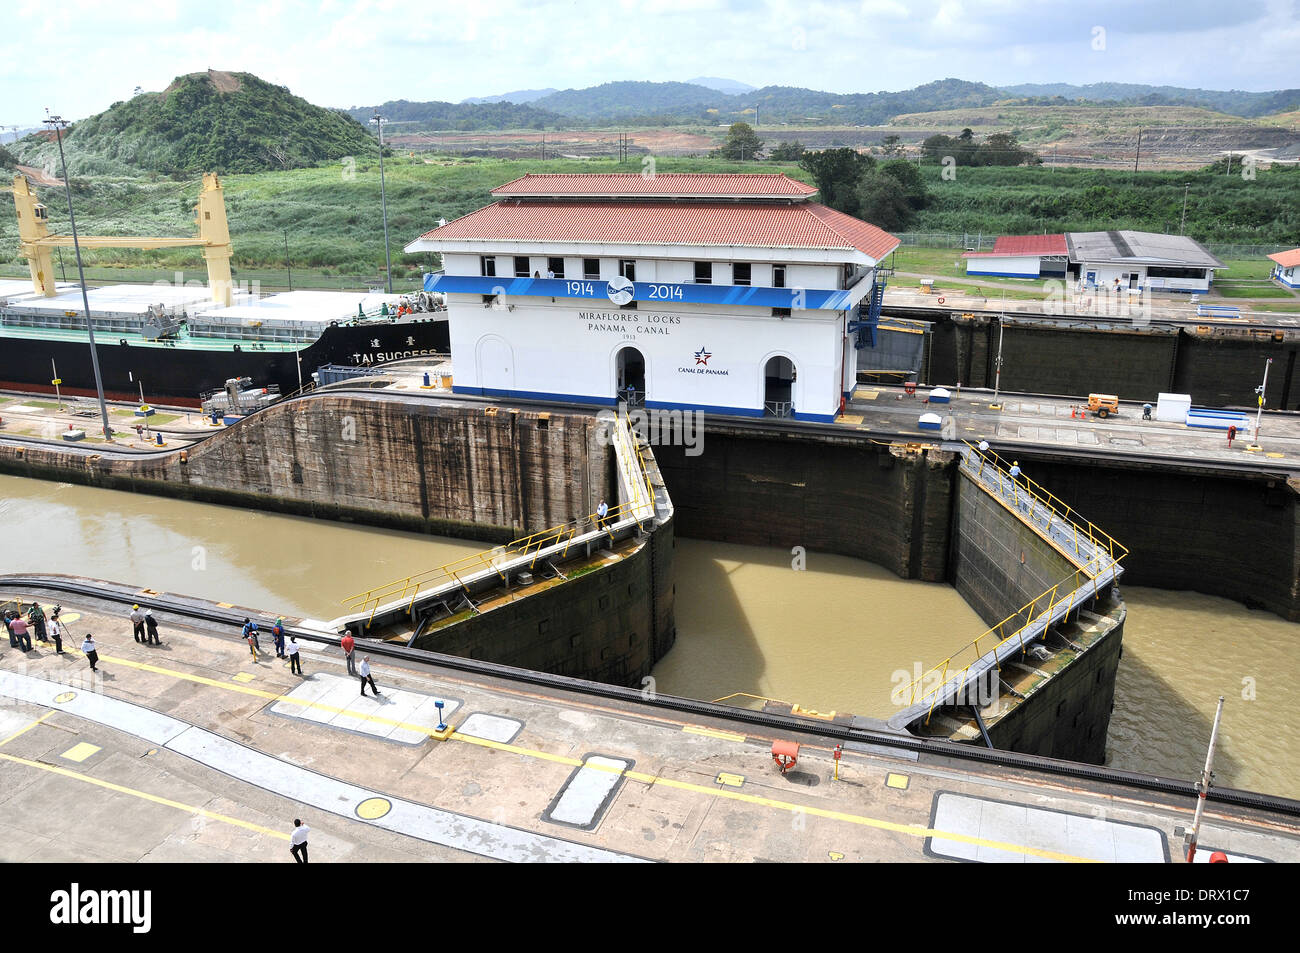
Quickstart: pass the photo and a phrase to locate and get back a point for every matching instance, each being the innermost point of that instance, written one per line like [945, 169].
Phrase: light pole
[1259, 410]
[378, 120]
[287, 266]
[58, 124]
[1183, 222]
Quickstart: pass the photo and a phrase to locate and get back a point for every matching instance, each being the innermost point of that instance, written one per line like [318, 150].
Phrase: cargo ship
[174, 341]
[172, 344]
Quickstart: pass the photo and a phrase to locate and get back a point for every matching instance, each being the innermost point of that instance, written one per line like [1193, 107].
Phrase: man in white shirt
[137, 621]
[364, 671]
[298, 841]
[295, 663]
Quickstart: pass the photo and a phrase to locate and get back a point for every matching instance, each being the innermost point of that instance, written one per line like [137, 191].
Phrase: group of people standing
[21, 629]
[285, 650]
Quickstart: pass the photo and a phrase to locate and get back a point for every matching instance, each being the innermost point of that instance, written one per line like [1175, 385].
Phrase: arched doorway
[630, 377]
[496, 364]
[778, 387]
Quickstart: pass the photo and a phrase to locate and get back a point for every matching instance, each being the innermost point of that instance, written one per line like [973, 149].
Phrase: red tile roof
[1287, 258]
[633, 184]
[1024, 245]
[798, 225]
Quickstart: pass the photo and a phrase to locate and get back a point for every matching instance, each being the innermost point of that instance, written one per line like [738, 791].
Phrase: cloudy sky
[79, 56]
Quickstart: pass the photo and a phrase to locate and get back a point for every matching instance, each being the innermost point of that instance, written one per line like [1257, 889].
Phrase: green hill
[213, 121]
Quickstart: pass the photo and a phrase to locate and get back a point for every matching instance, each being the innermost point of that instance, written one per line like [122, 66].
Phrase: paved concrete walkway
[177, 753]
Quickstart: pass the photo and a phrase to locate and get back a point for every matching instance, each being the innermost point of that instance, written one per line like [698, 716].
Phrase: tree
[836, 172]
[910, 178]
[882, 200]
[742, 143]
[791, 151]
[891, 147]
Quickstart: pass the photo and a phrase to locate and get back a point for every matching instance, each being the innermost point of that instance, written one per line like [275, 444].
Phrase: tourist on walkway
[36, 615]
[348, 644]
[13, 640]
[91, 651]
[250, 633]
[277, 636]
[56, 633]
[137, 623]
[365, 677]
[18, 626]
[151, 627]
[295, 665]
[298, 841]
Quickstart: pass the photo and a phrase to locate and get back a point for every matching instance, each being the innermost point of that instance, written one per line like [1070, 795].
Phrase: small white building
[1140, 261]
[733, 294]
[1021, 256]
[1286, 268]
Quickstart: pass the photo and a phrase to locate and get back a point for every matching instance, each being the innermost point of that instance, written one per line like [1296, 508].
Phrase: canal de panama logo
[619, 290]
[702, 357]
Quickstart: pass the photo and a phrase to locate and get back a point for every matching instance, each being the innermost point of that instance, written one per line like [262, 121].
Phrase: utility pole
[997, 364]
[378, 120]
[1137, 154]
[58, 124]
[1183, 222]
[286, 258]
[1204, 787]
[1259, 410]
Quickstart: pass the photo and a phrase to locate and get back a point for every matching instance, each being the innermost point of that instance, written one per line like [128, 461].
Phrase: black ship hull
[178, 373]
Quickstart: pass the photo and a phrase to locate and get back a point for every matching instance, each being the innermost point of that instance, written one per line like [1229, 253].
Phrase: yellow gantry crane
[36, 242]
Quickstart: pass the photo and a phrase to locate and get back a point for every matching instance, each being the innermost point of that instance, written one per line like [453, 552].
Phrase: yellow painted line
[28, 727]
[712, 733]
[648, 779]
[912, 830]
[269, 696]
[80, 751]
[166, 802]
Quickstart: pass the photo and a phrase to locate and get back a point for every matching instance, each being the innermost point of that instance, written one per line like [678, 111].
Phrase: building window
[627, 268]
[521, 266]
[704, 272]
[487, 266]
[555, 268]
[740, 272]
[778, 276]
[591, 268]
[780, 312]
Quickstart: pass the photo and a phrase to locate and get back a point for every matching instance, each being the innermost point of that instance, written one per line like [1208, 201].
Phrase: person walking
[602, 511]
[1015, 469]
[36, 616]
[249, 632]
[137, 623]
[295, 664]
[298, 841]
[91, 651]
[348, 644]
[1232, 435]
[18, 626]
[277, 636]
[151, 627]
[364, 672]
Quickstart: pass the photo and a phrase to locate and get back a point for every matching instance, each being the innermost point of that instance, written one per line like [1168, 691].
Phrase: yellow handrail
[1043, 496]
[398, 589]
[1029, 613]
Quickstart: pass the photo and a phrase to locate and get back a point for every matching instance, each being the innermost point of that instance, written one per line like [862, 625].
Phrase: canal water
[834, 634]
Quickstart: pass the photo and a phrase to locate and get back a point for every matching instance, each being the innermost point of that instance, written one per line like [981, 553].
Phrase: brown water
[283, 564]
[838, 635]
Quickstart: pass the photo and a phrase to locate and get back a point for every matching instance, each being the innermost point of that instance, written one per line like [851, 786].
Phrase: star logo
[702, 357]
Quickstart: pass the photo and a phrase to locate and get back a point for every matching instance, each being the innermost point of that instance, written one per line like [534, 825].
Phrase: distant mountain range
[712, 101]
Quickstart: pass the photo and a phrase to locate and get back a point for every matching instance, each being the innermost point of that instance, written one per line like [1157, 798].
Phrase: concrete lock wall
[1218, 366]
[1231, 535]
[611, 625]
[999, 563]
[412, 465]
[877, 502]
[1068, 716]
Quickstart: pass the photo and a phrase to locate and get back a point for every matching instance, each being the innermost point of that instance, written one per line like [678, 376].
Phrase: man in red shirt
[348, 644]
